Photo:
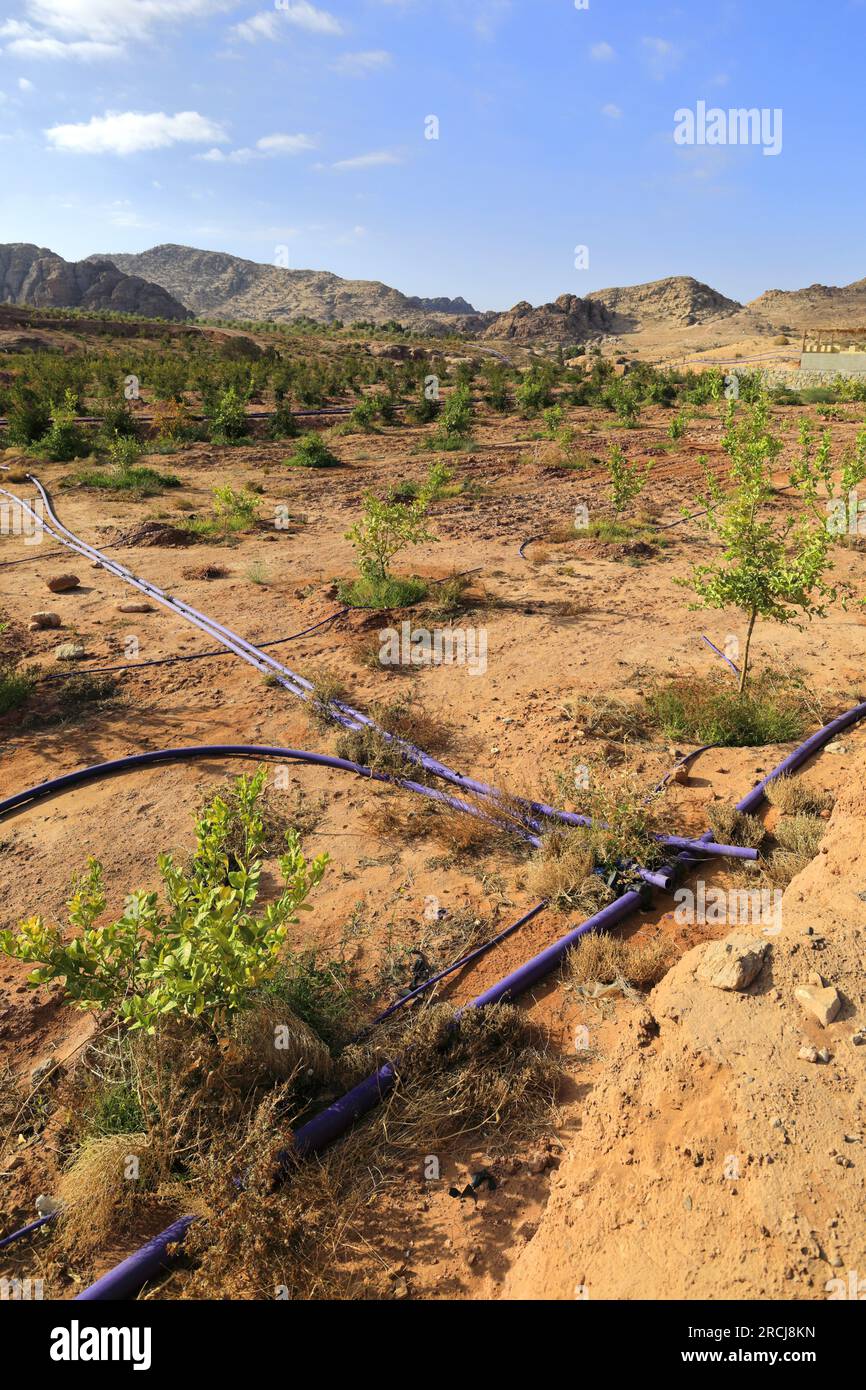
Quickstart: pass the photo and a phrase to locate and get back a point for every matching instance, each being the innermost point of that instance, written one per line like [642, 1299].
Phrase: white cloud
[602, 53]
[361, 64]
[266, 147]
[612, 110]
[42, 46]
[661, 56]
[93, 30]
[267, 24]
[368, 161]
[25, 85]
[129, 132]
[109, 20]
[285, 144]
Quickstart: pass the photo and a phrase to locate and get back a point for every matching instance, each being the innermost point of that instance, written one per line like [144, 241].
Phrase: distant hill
[35, 276]
[679, 301]
[568, 320]
[818, 306]
[217, 285]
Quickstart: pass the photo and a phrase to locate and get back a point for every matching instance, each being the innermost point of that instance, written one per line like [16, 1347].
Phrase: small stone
[822, 1004]
[44, 619]
[734, 963]
[401, 1289]
[63, 583]
[824, 1054]
[46, 1206]
[808, 1054]
[70, 651]
[135, 607]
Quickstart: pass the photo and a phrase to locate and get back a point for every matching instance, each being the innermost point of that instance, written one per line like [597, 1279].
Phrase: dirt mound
[154, 533]
[714, 1161]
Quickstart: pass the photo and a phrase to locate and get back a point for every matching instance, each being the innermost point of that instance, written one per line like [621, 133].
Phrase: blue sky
[251, 127]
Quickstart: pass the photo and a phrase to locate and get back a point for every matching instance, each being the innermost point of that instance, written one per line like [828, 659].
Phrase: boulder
[734, 963]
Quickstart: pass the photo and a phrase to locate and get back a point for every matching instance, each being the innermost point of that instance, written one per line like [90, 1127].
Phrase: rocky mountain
[567, 320]
[680, 301]
[38, 277]
[217, 285]
[818, 306]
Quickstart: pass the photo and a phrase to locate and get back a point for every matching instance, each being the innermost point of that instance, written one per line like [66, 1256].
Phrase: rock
[808, 1053]
[135, 607]
[46, 1206]
[43, 620]
[70, 651]
[36, 276]
[63, 583]
[823, 1004]
[734, 963]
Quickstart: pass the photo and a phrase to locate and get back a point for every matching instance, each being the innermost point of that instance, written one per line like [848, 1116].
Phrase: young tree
[384, 530]
[627, 480]
[770, 568]
[202, 950]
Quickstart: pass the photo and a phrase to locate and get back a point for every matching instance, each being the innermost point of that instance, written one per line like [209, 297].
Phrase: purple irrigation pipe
[68, 780]
[195, 656]
[725, 659]
[297, 685]
[27, 1230]
[529, 541]
[330, 1123]
[458, 965]
[129, 1276]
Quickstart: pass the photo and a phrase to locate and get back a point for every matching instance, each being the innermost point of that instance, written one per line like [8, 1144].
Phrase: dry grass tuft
[599, 958]
[270, 1043]
[109, 1188]
[605, 717]
[732, 827]
[801, 835]
[562, 873]
[794, 797]
[488, 1073]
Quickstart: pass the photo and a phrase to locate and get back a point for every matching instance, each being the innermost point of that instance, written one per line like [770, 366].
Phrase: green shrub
[533, 393]
[64, 440]
[283, 424]
[28, 418]
[199, 953]
[710, 711]
[229, 423]
[312, 452]
[16, 686]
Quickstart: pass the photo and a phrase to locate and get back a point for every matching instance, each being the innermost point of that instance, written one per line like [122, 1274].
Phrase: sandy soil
[572, 619]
